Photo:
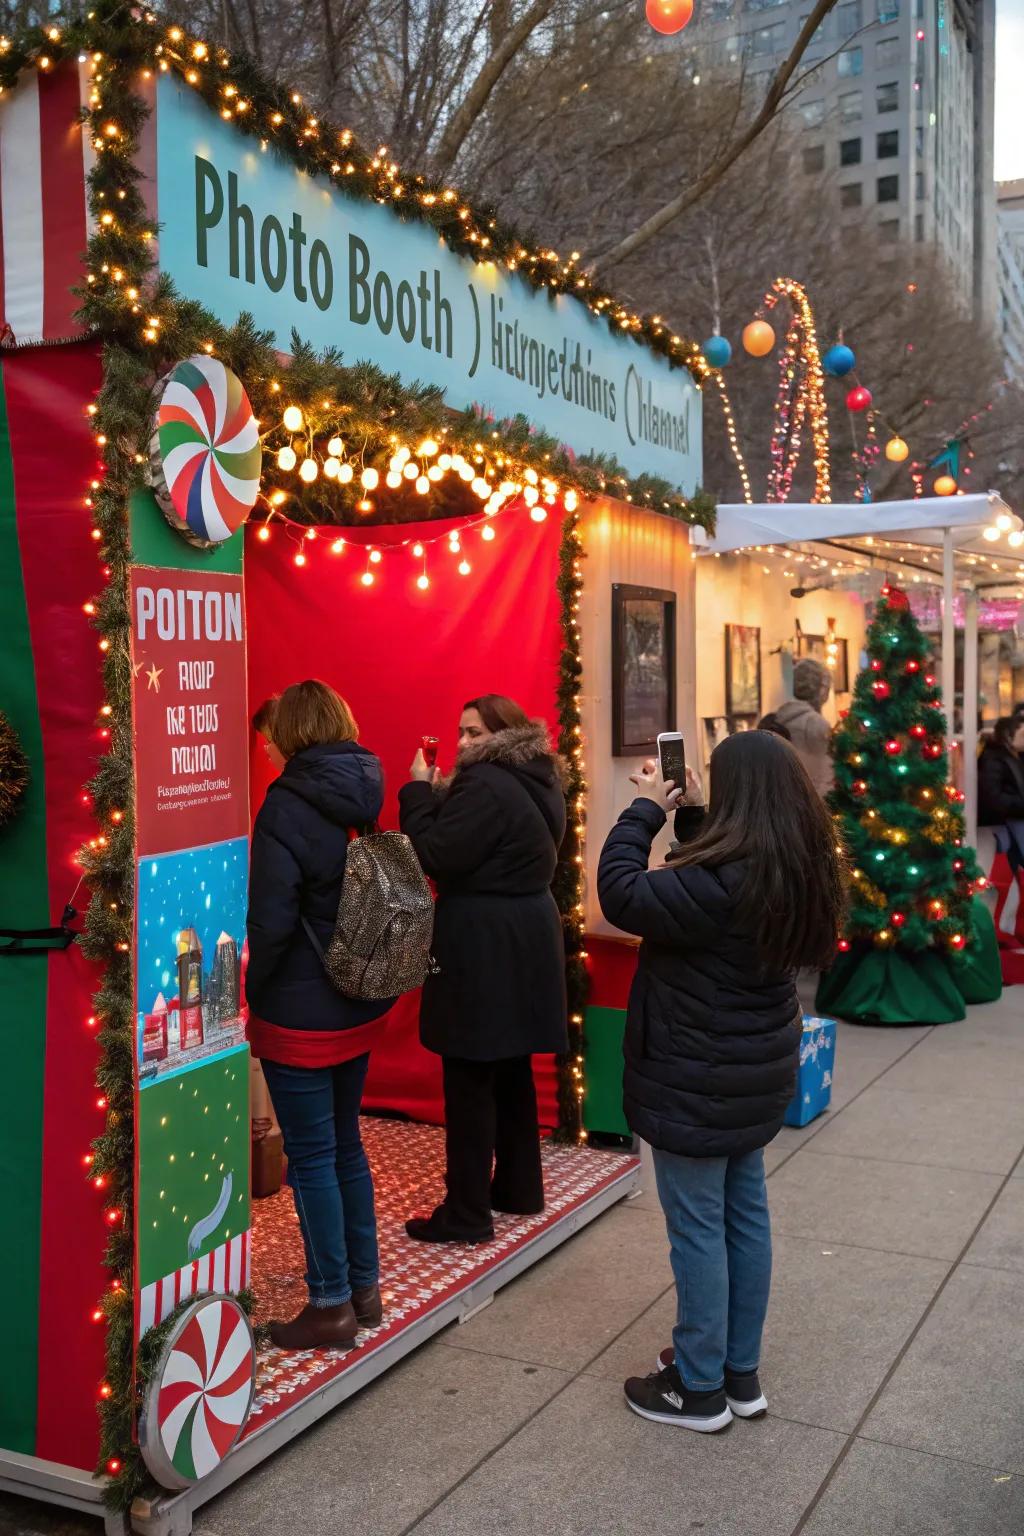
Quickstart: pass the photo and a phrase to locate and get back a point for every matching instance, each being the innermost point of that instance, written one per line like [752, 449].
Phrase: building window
[762, 5]
[888, 189]
[814, 159]
[889, 231]
[813, 113]
[887, 145]
[851, 195]
[919, 227]
[887, 51]
[851, 106]
[848, 19]
[888, 10]
[818, 36]
[768, 39]
[887, 97]
[919, 186]
[919, 139]
[849, 151]
[850, 62]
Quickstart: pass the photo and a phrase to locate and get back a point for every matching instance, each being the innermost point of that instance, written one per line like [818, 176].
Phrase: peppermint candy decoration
[200, 1393]
[204, 455]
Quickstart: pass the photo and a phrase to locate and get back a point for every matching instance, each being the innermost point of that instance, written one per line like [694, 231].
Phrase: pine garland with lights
[912, 877]
[568, 883]
[14, 773]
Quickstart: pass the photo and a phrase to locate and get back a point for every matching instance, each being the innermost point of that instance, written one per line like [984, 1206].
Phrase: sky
[1009, 71]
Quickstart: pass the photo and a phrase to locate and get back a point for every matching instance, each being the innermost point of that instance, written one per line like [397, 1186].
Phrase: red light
[880, 689]
[893, 748]
[898, 919]
[918, 731]
[87, 1160]
[981, 883]
[913, 666]
[929, 680]
[844, 945]
[106, 1390]
[97, 1315]
[113, 1466]
[101, 1103]
[859, 786]
[919, 34]
[100, 1182]
[876, 665]
[113, 1216]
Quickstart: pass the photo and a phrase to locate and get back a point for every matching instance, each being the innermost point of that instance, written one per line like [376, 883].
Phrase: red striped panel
[54, 459]
[63, 172]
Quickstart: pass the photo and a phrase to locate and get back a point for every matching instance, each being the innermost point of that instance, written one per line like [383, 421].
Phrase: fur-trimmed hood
[517, 747]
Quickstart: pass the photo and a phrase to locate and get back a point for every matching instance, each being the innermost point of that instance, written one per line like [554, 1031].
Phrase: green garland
[14, 773]
[146, 327]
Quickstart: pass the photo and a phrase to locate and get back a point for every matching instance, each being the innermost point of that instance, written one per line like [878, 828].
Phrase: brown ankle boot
[368, 1307]
[318, 1328]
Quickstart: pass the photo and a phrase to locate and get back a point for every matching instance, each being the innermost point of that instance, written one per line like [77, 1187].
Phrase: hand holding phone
[672, 758]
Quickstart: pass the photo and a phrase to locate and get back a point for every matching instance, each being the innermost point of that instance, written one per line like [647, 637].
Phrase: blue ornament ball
[838, 360]
[717, 351]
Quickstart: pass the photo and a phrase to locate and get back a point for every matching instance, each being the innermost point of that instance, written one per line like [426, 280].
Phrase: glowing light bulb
[308, 470]
[1004, 521]
[570, 501]
[345, 474]
[336, 447]
[331, 467]
[991, 534]
[367, 578]
[393, 479]
[411, 471]
[487, 533]
[417, 550]
[286, 458]
[464, 567]
[423, 582]
[369, 479]
[538, 514]
[375, 557]
[292, 419]
[422, 485]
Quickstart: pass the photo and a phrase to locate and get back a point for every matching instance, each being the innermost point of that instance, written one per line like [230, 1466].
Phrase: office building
[1010, 274]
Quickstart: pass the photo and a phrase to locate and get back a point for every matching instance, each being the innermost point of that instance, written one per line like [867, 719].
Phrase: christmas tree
[912, 879]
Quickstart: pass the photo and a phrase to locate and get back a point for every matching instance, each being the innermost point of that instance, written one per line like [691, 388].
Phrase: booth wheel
[200, 1393]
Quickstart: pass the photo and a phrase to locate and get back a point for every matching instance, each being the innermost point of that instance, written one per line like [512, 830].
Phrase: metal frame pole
[970, 738]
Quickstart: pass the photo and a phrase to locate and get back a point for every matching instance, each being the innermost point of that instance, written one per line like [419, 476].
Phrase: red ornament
[913, 666]
[958, 941]
[880, 689]
[859, 786]
[918, 731]
[876, 665]
[933, 749]
[981, 884]
[958, 864]
[893, 748]
[898, 919]
[844, 945]
[858, 399]
[929, 680]
[668, 16]
[896, 598]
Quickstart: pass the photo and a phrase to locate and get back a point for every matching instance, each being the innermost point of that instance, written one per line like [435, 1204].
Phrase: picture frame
[643, 667]
[743, 671]
[816, 647]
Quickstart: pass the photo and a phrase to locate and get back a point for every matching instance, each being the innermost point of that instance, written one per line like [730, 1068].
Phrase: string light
[801, 396]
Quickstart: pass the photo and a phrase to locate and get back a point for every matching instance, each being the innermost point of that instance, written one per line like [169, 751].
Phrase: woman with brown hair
[313, 1043]
[489, 837]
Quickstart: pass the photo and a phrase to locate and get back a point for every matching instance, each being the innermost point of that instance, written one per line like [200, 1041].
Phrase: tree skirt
[885, 986]
[978, 972]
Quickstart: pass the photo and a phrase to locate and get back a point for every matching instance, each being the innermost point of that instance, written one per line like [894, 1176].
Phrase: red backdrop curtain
[406, 659]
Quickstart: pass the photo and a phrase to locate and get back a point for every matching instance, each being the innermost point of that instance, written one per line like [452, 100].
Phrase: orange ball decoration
[896, 450]
[945, 485]
[758, 338]
[668, 16]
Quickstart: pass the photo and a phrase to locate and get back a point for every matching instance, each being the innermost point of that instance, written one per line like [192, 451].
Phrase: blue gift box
[814, 1078]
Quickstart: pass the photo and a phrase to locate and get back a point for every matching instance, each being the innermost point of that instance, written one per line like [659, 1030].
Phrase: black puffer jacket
[1000, 786]
[711, 1047]
[490, 840]
[299, 850]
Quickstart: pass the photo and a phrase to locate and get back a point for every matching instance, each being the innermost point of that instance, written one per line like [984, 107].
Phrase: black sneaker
[663, 1398]
[743, 1392]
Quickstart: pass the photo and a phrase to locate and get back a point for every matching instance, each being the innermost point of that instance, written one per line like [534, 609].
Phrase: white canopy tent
[982, 543]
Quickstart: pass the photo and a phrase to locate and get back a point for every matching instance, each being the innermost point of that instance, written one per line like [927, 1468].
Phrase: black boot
[438, 1228]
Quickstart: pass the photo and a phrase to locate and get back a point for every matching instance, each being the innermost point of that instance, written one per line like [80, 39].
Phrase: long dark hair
[498, 712]
[765, 811]
[1005, 730]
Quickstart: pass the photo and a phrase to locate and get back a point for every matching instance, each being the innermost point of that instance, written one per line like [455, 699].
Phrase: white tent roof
[921, 521]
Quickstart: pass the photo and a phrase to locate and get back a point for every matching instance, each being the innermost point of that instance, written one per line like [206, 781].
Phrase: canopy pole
[948, 628]
[970, 737]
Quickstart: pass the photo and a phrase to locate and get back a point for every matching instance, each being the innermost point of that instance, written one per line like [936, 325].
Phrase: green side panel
[154, 542]
[193, 1136]
[24, 903]
[602, 1103]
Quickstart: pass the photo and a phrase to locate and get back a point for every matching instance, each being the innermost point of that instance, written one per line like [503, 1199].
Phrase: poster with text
[191, 721]
[190, 910]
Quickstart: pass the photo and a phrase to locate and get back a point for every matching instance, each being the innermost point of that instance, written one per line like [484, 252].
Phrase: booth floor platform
[425, 1287]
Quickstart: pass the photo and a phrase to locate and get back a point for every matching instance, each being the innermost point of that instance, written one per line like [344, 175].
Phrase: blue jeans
[317, 1109]
[716, 1211]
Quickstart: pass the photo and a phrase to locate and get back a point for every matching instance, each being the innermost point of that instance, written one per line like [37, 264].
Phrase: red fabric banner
[406, 659]
[54, 460]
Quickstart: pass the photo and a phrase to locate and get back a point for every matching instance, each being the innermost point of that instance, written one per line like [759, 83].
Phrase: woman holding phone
[489, 837]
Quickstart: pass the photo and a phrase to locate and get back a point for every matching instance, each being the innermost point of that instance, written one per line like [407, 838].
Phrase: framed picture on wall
[742, 671]
[643, 667]
[816, 646]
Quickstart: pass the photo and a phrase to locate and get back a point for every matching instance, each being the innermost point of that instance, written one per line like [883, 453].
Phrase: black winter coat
[490, 840]
[711, 1047]
[1000, 786]
[299, 849]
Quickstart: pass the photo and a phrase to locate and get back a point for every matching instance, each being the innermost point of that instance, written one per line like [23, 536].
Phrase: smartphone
[429, 745]
[672, 758]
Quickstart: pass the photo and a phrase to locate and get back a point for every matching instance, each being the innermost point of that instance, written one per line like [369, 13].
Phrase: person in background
[1001, 774]
[313, 1043]
[263, 725]
[771, 722]
[809, 732]
[489, 837]
[712, 1041]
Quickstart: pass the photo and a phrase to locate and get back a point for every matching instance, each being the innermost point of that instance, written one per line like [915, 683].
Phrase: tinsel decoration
[14, 774]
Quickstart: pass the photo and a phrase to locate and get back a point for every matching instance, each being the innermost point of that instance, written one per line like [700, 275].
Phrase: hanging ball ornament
[838, 360]
[717, 351]
[858, 398]
[945, 485]
[896, 450]
[880, 689]
[668, 16]
[758, 338]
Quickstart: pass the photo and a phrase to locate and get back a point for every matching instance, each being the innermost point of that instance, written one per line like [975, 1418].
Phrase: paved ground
[894, 1358]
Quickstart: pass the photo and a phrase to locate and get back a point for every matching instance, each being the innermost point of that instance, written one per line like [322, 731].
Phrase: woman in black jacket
[712, 1040]
[489, 837]
[314, 1044]
[1001, 774]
